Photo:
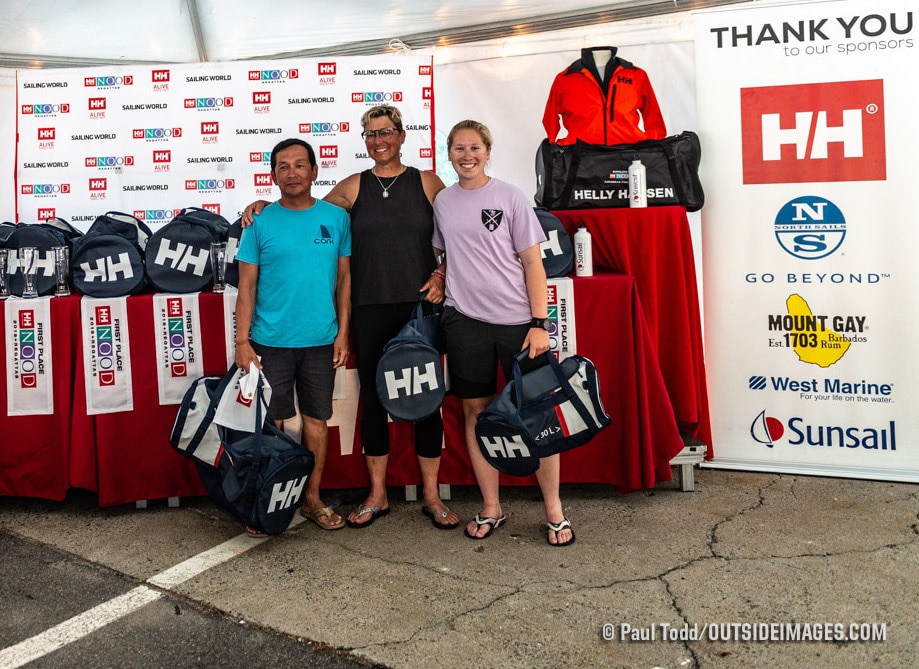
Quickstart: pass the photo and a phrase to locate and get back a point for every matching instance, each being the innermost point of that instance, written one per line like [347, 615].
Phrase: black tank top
[391, 254]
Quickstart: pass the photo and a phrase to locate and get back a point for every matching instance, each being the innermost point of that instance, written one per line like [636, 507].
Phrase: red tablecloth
[633, 453]
[34, 450]
[654, 246]
[126, 456]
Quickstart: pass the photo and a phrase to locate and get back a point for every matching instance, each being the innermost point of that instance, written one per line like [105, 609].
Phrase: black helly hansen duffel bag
[592, 176]
[108, 261]
[178, 255]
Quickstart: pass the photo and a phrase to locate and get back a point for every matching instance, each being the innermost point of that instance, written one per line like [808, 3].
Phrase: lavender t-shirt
[482, 230]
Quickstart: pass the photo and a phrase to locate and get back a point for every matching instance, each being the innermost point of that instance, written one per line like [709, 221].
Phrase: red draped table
[125, 456]
[653, 245]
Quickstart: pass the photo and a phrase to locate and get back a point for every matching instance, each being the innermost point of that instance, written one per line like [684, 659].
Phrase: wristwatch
[542, 323]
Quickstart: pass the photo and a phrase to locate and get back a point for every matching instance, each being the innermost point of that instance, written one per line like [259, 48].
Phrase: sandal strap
[558, 527]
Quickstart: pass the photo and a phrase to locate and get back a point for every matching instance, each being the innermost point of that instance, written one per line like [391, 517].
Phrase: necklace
[386, 188]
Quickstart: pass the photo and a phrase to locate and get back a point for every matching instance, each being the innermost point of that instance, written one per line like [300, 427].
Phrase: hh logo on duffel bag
[183, 258]
[502, 447]
[412, 381]
[284, 495]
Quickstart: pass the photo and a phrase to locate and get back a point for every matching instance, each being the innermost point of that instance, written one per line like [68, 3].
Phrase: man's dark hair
[286, 144]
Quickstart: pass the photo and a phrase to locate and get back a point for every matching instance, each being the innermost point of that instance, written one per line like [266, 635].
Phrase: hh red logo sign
[814, 132]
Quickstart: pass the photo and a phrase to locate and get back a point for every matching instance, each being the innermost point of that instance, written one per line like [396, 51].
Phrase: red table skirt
[126, 456]
[654, 246]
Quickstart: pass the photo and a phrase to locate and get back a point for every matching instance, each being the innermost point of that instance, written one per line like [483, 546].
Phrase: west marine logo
[325, 237]
[768, 430]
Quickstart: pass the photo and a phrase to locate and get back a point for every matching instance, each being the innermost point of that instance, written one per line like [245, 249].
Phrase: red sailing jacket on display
[603, 112]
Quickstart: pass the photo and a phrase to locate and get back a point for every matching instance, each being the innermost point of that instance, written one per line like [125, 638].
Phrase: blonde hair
[383, 110]
[469, 124]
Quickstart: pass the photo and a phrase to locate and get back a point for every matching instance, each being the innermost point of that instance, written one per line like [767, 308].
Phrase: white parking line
[108, 612]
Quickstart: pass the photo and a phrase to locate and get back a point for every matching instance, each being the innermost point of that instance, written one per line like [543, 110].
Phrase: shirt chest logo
[491, 219]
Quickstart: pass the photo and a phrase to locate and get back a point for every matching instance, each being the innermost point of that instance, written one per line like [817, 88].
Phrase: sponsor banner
[229, 323]
[806, 118]
[150, 140]
[106, 355]
[177, 328]
[563, 335]
[29, 375]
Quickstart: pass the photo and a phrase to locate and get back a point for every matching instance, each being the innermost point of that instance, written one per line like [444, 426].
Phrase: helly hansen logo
[425, 70]
[411, 381]
[502, 447]
[261, 97]
[262, 179]
[210, 128]
[46, 213]
[624, 80]
[96, 103]
[552, 246]
[46, 133]
[107, 269]
[814, 132]
[328, 152]
[98, 184]
[182, 257]
[327, 69]
[285, 495]
[162, 156]
[160, 75]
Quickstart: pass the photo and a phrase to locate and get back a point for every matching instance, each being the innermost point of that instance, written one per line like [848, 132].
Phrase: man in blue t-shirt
[293, 308]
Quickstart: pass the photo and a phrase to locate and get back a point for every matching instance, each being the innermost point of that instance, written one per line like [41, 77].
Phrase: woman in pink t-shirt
[496, 306]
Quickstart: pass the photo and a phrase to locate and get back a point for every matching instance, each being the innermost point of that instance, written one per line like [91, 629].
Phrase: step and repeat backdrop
[151, 140]
[807, 119]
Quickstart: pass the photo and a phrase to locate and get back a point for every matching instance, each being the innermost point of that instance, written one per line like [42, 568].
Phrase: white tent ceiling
[62, 33]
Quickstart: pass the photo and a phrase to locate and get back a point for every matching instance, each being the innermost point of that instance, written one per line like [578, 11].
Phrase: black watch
[542, 323]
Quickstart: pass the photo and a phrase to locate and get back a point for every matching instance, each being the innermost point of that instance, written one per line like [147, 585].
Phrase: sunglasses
[382, 133]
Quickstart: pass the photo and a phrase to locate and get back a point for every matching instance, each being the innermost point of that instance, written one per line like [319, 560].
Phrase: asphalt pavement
[748, 570]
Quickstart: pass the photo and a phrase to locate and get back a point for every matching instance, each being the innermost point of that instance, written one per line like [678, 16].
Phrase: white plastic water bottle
[638, 184]
[583, 253]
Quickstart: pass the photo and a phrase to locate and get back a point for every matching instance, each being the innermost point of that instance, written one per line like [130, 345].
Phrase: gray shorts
[309, 370]
[474, 350]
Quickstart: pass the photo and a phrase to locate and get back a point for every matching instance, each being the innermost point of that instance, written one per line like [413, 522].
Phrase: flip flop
[254, 533]
[558, 527]
[374, 511]
[493, 523]
[434, 513]
[322, 512]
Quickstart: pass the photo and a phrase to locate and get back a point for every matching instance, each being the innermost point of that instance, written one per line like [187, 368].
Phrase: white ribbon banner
[106, 355]
[29, 377]
[177, 327]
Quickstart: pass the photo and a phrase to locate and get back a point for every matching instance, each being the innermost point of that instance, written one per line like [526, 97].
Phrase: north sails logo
[491, 219]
